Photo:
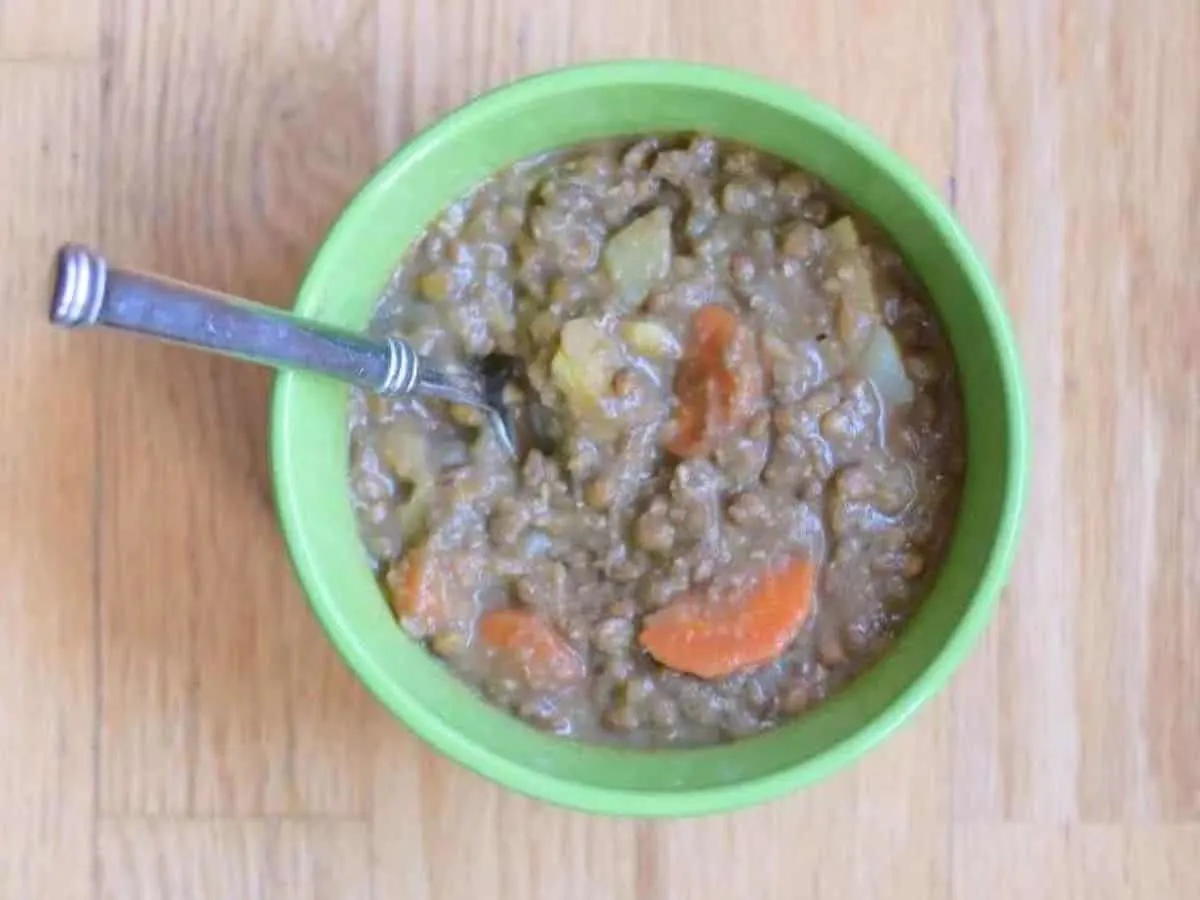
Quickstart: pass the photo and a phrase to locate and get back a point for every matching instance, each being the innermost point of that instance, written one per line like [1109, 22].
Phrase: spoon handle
[89, 292]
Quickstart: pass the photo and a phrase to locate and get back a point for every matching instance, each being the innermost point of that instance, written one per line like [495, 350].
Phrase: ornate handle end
[79, 281]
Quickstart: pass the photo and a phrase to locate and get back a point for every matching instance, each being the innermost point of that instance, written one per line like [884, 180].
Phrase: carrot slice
[419, 592]
[714, 637]
[712, 397]
[541, 654]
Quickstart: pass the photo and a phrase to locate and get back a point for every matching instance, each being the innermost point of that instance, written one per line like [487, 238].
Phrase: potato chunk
[638, 257]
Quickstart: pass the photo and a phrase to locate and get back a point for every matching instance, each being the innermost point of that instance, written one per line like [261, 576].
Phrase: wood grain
[231, 140]
[1078, 174]
[1080, 862]
[174, 723]
[237, 859]
[47, 490]
[42, 30]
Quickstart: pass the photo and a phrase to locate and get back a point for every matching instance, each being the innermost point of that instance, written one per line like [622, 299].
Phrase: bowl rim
[964, 635]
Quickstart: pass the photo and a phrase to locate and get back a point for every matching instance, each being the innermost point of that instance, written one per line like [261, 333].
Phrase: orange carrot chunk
[418, 592]
[541, 655]
[714, 637]
[712, 397]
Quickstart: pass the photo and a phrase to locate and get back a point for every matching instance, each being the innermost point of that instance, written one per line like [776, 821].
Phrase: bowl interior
[310, 444]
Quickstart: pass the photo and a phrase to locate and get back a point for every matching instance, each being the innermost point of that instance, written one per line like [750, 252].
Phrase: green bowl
[309, 436]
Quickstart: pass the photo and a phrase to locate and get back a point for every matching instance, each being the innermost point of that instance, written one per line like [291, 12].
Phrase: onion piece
[883, 366]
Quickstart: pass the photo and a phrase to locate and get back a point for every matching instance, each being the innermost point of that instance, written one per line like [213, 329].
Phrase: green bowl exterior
[309, 436]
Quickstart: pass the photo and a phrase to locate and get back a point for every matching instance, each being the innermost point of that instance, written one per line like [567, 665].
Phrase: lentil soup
[749, 443]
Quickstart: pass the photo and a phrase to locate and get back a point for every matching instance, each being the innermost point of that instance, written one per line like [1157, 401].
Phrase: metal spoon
[89, 292]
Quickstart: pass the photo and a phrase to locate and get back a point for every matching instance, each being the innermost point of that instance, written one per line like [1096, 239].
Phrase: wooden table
[172, 722]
